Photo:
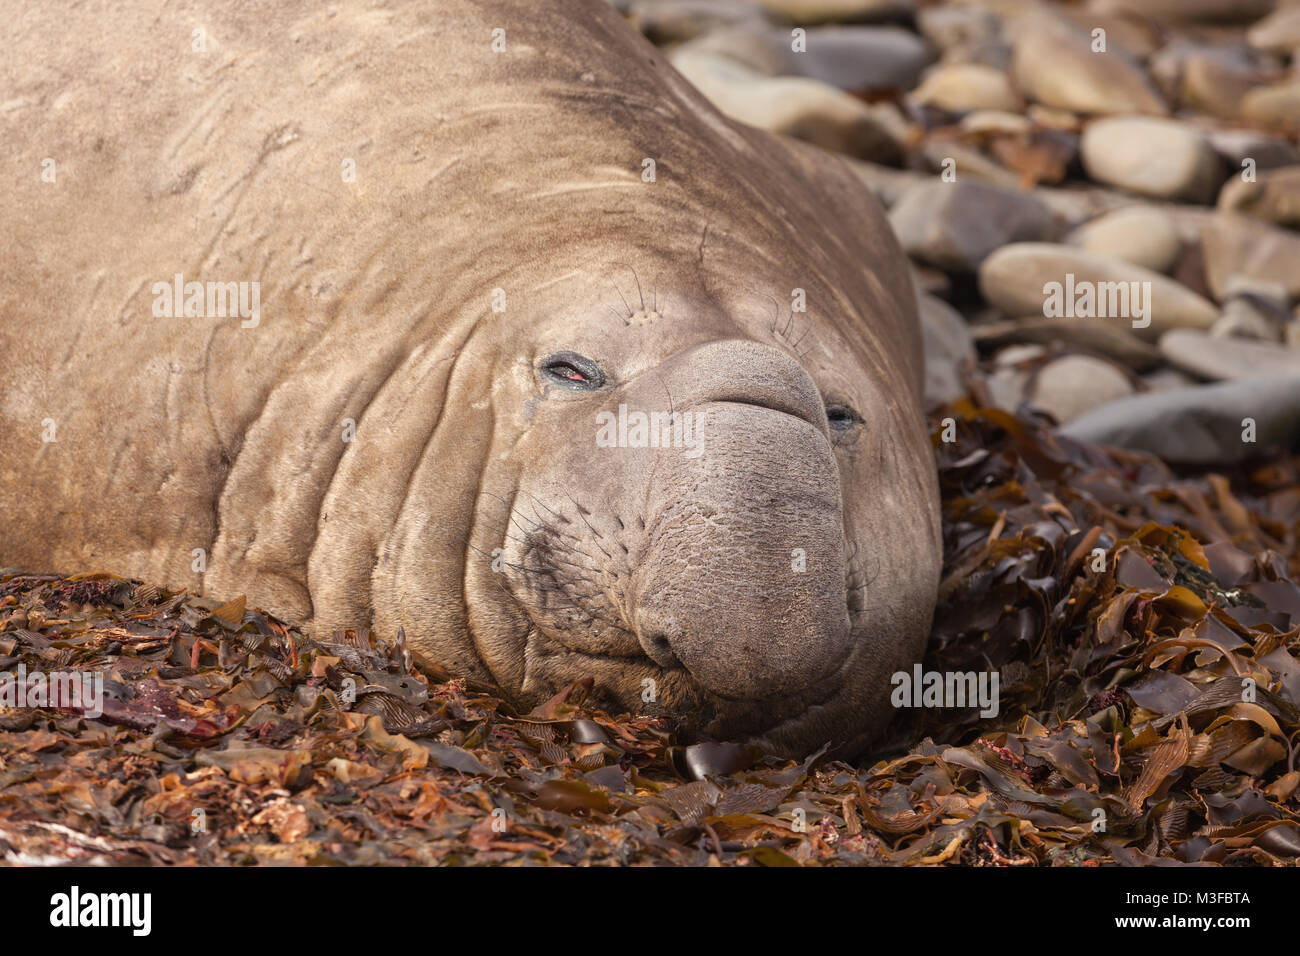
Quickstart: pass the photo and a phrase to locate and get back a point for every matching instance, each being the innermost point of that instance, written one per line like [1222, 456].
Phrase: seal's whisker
[475, 547]
[485, 554]
[776, 307]
[542, 572]
[531, 535]
[518, 518]
[514, 519]
[879, 568]
[491, 494]
[573, 607]
[510, 537]
[856, 574]
[796, 344]
[536, 516]
[672, 407]
[637, 279]
[590, 526]
[538, 526]
[659, 308]
[630, 313]
[533, 498]
[639, 294]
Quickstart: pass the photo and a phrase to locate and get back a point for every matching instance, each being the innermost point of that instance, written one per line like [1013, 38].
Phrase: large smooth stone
[962, 87]
[1279, 32]
[1222, 11]
[1154, 157]
[671, 21]
[1073, 385]
[888, 184]
[1223, 359]
[1168, 64]
[1010, 373]
[997, 123]
[1200, 425]
[1236, 245]
[1274, 195]
[1277, 105]
[756, 46]
[1237, 145]
[1238, 322]
[863, 59]
[1014, 278]
[968, 162]
[948, 347]
[825, 11]
[1053, 63]
[1142, 235]
[796, 106]
[950, 28]
[1134, 35]
[1214, 86]
[1165, 378]
[955, 226]
[1095, 335]
[858, 58]
[1253, 310]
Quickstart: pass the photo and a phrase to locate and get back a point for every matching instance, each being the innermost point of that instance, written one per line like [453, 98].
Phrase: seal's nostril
[658, 647]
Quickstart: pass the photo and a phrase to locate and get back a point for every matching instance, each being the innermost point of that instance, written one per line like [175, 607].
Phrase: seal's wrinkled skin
[768, 585]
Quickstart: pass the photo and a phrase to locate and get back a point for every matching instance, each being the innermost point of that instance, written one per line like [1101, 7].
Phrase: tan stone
[1014, 278]
[1163, 158]
[1236, 245]
[1274, 195]
[1053, 63]
[962, 87]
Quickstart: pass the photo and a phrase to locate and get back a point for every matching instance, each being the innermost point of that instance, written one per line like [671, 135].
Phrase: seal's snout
[743, 581]
[745, 372]
[745, 643]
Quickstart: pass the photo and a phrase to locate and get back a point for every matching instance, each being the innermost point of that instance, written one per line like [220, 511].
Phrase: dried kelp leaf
[571, 796]
[232, 612]
[708, 759]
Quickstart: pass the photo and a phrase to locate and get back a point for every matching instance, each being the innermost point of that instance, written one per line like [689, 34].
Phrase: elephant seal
[367, 312]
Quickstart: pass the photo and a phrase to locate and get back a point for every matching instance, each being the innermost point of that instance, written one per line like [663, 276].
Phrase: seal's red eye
[572, 371]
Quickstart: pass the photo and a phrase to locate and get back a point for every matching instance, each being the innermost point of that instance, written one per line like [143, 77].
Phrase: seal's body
[362, 312]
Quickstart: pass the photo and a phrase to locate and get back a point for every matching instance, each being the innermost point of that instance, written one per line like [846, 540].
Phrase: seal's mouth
[790, 722]
[593, 597]
[598, 630]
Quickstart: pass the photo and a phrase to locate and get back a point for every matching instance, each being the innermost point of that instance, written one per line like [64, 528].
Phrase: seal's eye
[571, 370]
[841, 417]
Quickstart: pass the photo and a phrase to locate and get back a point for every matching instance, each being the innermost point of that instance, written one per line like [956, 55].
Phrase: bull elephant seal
[342, 307]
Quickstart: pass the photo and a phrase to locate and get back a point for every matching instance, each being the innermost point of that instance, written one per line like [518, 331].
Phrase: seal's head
[718, 504]
[686, 390]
